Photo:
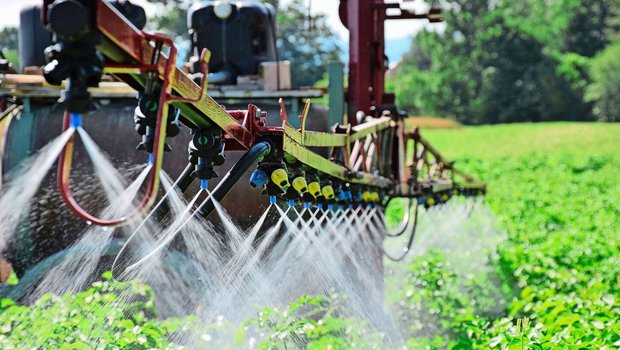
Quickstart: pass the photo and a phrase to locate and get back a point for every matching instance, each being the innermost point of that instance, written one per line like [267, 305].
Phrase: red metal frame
[365, 20]
[135, 56]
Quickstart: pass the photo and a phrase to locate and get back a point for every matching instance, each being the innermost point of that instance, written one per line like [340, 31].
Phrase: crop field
[554, 192]
[554, 188]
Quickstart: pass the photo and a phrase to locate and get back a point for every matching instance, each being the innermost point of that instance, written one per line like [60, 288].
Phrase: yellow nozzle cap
[375, 196]
[445, 197]
[366, 196]
[314, 188]
[430, 201]
[328, 192]
[280, 178]
[300, 184]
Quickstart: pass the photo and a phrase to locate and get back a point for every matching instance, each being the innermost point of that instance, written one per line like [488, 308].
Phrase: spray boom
[379, 157]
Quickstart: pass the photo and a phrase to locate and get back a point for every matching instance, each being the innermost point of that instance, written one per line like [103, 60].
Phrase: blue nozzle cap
[291, 202]
[350, 206]
[151, 158]
[307, 205]
[330, 207]
[258, 178]
[272, 199]
[204, 184]
[340, 207]
[320, 206]
[421, 200]
[75, 120]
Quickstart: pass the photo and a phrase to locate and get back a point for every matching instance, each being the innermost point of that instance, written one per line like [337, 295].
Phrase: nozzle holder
[74, 56]
[206, 150]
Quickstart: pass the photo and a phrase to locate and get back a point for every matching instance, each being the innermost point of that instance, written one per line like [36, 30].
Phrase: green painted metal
[336, 92]
[19, 145]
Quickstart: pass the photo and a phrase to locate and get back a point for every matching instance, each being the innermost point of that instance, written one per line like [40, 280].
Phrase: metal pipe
[232, 177]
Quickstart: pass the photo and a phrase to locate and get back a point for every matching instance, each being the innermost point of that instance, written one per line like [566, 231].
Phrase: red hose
[66, 157]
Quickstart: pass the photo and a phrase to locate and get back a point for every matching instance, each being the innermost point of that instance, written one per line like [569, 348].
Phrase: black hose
[410, 242]
[405, 220]
[232, 177]
[182, 183]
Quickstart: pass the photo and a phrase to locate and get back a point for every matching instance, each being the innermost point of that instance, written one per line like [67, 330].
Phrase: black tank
[239, 34]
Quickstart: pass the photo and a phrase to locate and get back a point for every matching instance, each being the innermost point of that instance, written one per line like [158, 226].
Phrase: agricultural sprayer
[370, 154]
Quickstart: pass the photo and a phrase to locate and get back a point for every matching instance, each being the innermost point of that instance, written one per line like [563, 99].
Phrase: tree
[8, 38]
[307, 42]
[8, 44]
[605, 87]
[507, 61]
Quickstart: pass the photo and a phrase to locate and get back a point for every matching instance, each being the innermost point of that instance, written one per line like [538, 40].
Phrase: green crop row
[555, 190]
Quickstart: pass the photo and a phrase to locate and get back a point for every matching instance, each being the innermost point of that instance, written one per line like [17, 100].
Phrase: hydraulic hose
[411, 237]
[232, 177]
[402, 227]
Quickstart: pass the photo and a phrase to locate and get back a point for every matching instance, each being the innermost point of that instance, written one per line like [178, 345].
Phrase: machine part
[280, 178]
[314, 188]
[250, 25]
[300, 185]
[358, 150]
[258, 178]
[206, 150]
[328, 192]
[409, 241]
[64, 168]
[33, 38]
[257, 151]
[404, 223]
[134, 13]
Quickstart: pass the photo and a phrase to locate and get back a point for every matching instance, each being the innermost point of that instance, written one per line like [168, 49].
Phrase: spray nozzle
[291, 202]
[300, 185]
[272, 199]
[328, 192]
[280, 178]
[258, 178]
[366, 196]
[204, 184]
[76, 120]
[314, 188]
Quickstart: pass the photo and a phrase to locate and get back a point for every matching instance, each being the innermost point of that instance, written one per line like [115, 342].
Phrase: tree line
[499, 61]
